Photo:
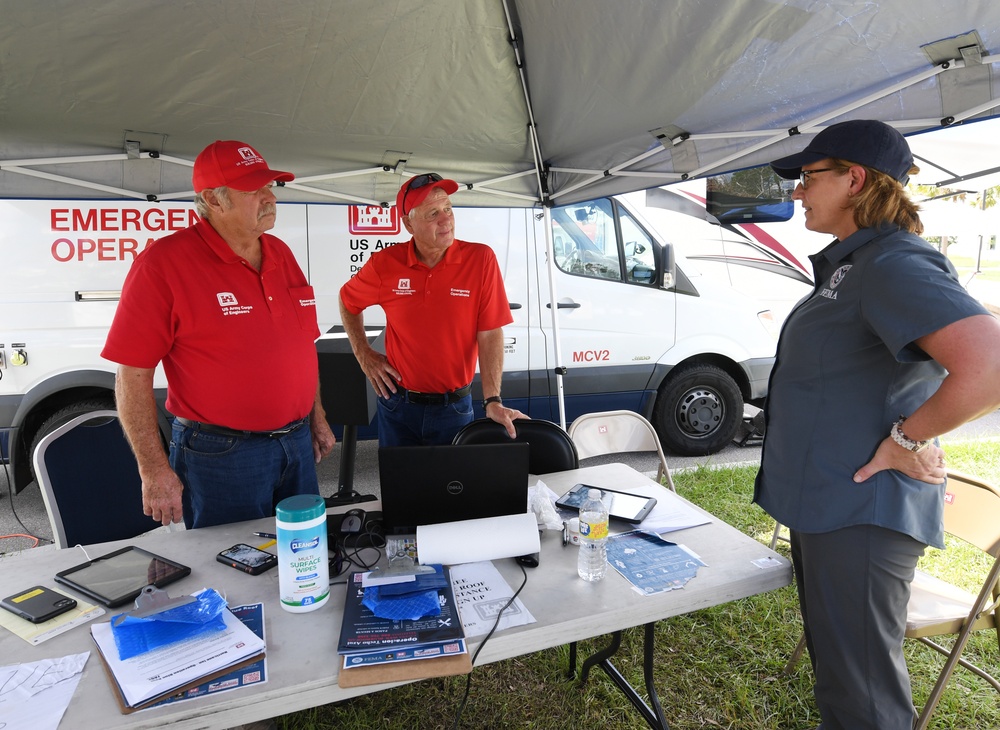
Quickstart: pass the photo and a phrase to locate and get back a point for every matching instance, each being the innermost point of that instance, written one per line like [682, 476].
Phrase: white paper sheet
[36, 694]
[471, 541]
[670, 513]
[480, 593]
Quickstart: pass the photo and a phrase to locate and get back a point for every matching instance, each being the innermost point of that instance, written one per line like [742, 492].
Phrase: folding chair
[551, 448]
[938, 608]
[614, 432]
[90, 482]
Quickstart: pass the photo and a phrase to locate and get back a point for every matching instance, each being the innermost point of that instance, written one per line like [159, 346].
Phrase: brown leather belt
[224, 431]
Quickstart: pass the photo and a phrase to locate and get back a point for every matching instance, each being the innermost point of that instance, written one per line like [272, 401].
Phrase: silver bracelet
[905, 441]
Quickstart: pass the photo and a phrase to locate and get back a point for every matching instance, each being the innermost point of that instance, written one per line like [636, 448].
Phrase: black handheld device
[621, 505]
[119, 577]
[247, 558]
[38, 604]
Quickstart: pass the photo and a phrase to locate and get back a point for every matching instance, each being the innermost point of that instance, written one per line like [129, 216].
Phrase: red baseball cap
[413, 192]
[236, 165]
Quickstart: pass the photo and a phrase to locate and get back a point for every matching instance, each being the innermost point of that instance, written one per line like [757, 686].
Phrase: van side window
[584, 240]
[639, 249]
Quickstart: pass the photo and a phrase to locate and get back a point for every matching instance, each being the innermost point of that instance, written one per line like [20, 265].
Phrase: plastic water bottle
[303, 560]
[592, 563]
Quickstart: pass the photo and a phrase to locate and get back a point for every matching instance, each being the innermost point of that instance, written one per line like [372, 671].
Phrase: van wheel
[65, 415]
[698, 410]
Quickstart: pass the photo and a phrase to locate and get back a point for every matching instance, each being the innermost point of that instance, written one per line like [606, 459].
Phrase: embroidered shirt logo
[230, 305]
[403, 288]
[838, 276]
[460, 292]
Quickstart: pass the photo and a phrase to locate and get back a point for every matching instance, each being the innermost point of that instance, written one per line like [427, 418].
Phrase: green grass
[716, 668]
[966, 265]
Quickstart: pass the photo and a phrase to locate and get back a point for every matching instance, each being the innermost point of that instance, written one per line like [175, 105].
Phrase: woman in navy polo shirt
[886, 354]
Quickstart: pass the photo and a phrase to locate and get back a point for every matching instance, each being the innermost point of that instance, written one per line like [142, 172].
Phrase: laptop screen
[426, 485]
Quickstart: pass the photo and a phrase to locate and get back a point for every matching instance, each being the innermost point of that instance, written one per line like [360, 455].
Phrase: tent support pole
[554, 309]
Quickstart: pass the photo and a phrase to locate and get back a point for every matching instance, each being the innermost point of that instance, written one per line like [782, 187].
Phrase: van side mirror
[634, 248]
[669, 266]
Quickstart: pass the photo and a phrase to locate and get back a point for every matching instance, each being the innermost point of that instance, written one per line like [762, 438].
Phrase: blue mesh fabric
[134, 636]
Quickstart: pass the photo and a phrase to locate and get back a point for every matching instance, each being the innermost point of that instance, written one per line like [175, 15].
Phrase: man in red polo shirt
[205, 301]
[445, 306]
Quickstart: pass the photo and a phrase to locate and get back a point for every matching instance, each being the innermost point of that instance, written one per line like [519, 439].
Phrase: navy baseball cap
[862, 141]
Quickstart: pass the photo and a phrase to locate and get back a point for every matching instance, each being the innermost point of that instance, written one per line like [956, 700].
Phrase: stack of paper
[429, 639]
[154, 675]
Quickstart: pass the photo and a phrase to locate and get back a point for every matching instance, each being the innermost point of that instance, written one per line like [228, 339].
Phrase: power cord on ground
[468, 677]
[27, 533]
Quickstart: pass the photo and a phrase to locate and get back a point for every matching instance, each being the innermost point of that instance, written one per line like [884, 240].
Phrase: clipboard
[448, 666]
[125, 709]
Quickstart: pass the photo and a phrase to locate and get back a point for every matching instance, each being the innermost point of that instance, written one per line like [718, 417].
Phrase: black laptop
[426, 485]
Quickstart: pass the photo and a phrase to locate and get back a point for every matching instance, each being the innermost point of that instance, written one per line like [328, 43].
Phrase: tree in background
[982, 200]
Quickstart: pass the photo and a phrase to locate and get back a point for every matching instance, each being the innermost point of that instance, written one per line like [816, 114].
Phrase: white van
[640, 327]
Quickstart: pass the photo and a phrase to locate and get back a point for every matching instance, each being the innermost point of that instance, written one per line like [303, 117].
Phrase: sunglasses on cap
[418, 182]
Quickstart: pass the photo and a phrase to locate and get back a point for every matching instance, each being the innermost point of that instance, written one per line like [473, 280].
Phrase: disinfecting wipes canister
[303, 560]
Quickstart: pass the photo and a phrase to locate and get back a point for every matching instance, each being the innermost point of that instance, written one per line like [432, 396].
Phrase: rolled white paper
[470, 541]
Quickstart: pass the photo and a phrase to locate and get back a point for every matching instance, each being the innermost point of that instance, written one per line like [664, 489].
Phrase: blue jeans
[236, 478]
[401, 423]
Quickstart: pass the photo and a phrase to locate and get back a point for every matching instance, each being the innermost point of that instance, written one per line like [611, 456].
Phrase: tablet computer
[120, 576]
[621, 505]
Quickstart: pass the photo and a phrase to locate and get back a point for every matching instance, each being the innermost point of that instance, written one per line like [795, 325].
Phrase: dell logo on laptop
[455, 487]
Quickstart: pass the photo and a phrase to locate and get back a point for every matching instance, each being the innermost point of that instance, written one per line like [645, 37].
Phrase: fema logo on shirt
[838, 276]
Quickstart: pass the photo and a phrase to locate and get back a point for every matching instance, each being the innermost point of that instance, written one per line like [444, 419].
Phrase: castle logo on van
[362, 219]
[592, 356]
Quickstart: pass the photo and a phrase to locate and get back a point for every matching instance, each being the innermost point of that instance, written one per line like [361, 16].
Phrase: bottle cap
[300, 508]
[593, 493]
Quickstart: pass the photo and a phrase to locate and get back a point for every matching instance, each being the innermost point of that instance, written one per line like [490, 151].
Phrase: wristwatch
[492, 399]
[905, 441]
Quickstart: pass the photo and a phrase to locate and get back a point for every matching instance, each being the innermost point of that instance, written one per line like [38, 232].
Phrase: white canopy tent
[522, 101]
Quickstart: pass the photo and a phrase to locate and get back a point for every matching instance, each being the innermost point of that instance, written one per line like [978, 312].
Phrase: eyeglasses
[804, 175]
[418, 182]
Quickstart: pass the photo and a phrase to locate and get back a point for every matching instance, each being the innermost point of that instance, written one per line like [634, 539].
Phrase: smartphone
[247, 558]
[38, 604]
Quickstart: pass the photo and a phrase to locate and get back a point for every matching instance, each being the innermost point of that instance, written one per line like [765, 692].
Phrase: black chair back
[90, 482]
[551, 448]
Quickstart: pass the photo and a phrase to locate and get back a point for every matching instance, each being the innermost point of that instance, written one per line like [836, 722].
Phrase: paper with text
[480, 592]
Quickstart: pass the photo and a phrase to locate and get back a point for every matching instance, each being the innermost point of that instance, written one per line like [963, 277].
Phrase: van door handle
[564, 305]
[515, 305]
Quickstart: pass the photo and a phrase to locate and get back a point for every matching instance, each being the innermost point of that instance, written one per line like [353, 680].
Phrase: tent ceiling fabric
[351, 95]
